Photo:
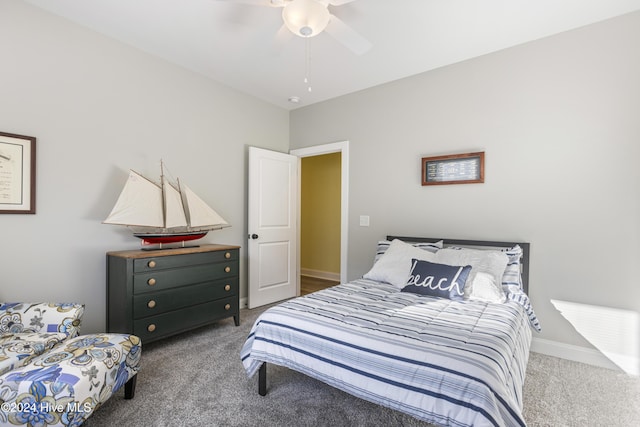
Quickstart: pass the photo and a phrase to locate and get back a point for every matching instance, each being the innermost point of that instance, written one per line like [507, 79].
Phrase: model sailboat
[163, 213]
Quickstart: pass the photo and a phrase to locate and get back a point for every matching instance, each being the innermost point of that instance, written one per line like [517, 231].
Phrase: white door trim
[317, 150]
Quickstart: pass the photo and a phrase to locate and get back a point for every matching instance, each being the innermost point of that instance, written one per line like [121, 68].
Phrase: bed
[408, 337]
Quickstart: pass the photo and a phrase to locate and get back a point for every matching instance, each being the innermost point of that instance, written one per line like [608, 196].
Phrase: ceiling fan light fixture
[305, 18]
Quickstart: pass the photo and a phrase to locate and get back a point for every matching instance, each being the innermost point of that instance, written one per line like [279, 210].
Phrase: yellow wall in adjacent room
[320, 216]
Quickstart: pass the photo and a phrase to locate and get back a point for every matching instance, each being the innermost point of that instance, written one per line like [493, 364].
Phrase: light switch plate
[364, 220]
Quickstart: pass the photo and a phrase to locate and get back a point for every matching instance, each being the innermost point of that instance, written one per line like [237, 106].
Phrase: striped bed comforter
[445, 362]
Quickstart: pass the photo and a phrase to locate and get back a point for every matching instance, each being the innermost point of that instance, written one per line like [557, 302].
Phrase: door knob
[254, 236]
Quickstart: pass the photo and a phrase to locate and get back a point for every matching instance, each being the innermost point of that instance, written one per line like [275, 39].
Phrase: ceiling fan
[308, 18]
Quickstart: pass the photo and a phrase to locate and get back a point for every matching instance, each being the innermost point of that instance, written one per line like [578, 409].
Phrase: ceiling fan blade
[347, 36]
[270, 3]
[339, 2]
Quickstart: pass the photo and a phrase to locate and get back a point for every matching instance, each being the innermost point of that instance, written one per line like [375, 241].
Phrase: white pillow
[484, 289]
[383, 245]
[394, 265]
[488, 266]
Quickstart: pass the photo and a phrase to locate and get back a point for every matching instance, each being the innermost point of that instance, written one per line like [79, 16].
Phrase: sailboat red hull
[152, 239]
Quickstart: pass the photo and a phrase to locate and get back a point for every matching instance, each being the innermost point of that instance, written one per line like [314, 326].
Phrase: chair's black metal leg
[262, 379]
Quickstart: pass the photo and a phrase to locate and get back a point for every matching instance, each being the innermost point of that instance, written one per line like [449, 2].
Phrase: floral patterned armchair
[28, 330]
[50, 376]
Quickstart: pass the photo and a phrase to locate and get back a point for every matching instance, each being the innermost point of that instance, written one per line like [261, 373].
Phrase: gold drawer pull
[151, 264]
[151, 282]
[227, 288]
[227, 255]
[227, 306]
[151, 304]
[151, 327]
[227, 269]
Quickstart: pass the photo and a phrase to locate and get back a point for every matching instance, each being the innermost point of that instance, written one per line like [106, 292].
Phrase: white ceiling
[244, 46]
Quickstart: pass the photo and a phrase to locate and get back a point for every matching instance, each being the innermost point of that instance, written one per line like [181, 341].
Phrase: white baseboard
[320, 274]
[584, 355]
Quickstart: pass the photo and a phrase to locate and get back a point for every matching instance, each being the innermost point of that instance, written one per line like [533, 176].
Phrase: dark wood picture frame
[17, 174]
[467, 168]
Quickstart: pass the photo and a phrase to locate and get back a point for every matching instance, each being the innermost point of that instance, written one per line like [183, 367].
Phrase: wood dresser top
[139, 253]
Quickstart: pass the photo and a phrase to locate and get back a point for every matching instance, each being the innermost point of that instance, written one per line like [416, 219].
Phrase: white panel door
[272, 225]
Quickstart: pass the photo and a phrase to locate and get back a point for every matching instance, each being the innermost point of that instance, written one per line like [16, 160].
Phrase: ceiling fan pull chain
[307, 63]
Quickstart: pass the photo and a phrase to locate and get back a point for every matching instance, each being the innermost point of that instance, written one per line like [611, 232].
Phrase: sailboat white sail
[174, 212]
[139, 204]
[200, 214]
[163, 213]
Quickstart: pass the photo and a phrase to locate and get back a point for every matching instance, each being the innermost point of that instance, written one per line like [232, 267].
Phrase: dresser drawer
[153, 303]
[164, 279]
[164, 262]
[154, 327]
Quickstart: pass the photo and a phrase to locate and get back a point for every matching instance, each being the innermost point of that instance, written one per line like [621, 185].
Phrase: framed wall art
[17, 174]
[465, 168]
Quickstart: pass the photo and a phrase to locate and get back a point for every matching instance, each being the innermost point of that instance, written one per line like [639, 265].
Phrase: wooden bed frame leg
[262, 379]
[130, 387]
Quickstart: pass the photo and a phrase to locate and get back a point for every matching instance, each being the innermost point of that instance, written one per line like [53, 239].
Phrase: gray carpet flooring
[197, 379]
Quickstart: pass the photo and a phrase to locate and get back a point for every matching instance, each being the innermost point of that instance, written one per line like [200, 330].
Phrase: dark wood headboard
[526, 249]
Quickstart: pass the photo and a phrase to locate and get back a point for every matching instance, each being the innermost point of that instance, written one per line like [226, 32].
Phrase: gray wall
[558, 119]
[97, 108]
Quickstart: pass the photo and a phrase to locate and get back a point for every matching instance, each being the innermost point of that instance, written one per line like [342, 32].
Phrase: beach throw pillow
[439, 280]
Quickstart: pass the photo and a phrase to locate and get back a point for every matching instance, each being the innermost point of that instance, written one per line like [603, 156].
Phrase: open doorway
[320, 221]
[329, 168]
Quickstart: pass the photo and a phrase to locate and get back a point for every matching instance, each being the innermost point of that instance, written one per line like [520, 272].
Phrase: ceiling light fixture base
[306, 18]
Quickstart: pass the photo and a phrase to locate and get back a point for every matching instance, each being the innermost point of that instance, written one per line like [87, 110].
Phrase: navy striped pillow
[512, 274]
